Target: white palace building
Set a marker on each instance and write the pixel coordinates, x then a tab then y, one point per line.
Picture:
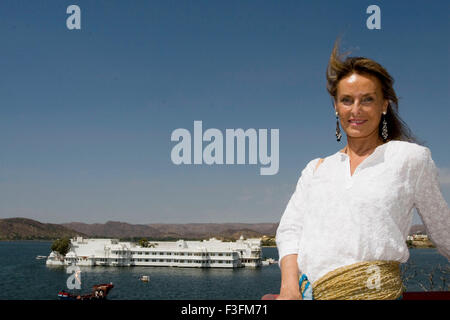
210	253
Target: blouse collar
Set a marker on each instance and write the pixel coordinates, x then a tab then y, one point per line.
376	154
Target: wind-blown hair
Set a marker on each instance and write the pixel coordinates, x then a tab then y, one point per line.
339	68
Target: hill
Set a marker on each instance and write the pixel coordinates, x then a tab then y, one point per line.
417	229
28	229
229	231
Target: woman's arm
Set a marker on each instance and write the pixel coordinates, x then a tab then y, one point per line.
289	229
431	205
289	279
288	235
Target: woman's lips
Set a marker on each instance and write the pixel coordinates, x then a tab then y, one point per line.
357	122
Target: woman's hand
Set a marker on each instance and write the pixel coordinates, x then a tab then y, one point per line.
289	279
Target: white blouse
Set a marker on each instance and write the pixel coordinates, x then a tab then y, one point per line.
335	219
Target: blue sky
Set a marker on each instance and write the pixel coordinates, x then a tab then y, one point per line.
87	115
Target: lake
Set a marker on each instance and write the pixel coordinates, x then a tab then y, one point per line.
24	277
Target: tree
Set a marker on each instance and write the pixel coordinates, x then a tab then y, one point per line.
143	243
61	245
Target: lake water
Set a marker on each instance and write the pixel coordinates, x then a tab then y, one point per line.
24	277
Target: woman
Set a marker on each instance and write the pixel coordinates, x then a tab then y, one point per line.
344	229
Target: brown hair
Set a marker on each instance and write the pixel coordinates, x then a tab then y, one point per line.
338	69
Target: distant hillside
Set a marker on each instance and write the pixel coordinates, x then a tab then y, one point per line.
114	229
27	229
417	229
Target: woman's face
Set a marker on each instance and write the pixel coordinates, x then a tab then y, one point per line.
360	104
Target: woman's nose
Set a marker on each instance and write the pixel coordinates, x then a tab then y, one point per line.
356	107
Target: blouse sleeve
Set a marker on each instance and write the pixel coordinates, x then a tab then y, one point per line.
290	227
431	205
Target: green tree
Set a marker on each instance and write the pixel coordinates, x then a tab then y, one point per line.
268	242
61	245
143	243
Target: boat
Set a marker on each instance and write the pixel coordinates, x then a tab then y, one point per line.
41	257
99	292
268	261
144	278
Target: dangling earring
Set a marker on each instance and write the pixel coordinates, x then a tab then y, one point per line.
338	129
384	129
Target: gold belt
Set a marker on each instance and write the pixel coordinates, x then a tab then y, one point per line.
368	280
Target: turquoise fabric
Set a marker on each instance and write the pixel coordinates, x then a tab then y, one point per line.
307	293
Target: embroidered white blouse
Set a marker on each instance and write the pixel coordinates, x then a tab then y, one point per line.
335	219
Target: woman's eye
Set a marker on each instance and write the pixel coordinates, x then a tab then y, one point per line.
368	100
346	101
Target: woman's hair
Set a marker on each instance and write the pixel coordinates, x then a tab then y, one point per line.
338	69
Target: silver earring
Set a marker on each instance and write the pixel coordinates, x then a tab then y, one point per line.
384	129
338	129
